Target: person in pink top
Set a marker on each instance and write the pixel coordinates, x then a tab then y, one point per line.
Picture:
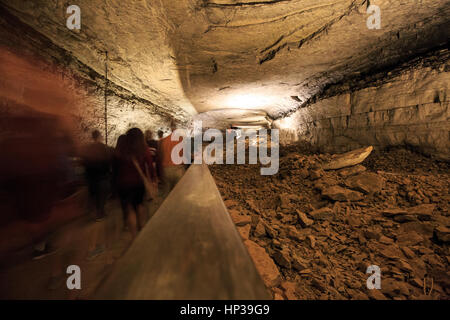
130	186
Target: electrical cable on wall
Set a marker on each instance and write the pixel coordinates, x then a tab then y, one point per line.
106	97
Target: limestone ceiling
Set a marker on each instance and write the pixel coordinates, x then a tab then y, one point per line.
133	32
270	55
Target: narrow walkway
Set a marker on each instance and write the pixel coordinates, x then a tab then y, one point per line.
24	278
191	250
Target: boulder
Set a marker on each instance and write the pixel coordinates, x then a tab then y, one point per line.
239	219
348	159
264	264
290	289
294	234
304	173
376	294
324	213
260	230
405	218
398	215
423	211
350	171
271	231
391	252
408	252
409	238
299	263
303	219
366	182
285	200
338	193
315	174
244	231
305	272
372	234
277	296
423	228
394	288
442	234
392	212
230	203
385	240
325	182
253	206
404	266
311	240
282	258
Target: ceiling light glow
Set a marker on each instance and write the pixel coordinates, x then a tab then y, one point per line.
250	101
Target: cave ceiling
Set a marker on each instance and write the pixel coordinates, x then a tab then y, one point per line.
265	55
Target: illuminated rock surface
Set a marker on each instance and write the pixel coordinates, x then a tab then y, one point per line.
343	85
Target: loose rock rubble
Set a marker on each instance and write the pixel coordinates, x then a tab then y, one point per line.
312	233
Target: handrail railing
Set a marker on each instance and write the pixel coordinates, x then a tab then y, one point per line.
190	249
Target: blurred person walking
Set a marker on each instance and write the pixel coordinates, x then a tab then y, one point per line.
133	160
171	172
151	142
97	160
32	174
119	152
154	148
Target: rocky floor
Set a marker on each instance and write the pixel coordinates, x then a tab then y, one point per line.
312	233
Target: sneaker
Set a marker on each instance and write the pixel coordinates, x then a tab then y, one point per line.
95	253
40	254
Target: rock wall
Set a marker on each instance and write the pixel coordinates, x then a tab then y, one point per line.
407	106
38	74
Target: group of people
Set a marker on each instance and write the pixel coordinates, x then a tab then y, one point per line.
134	170
41	173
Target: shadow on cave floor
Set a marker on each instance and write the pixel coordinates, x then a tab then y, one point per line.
24	278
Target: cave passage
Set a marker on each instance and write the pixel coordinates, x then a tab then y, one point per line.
225	150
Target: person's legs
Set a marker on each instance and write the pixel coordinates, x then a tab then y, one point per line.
98	238
96	247
101	196
124	213
92	190
132	220
128	201
138	204
34	205
72	252
123	206
175	174
141	216
179	172
165	182
171	177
